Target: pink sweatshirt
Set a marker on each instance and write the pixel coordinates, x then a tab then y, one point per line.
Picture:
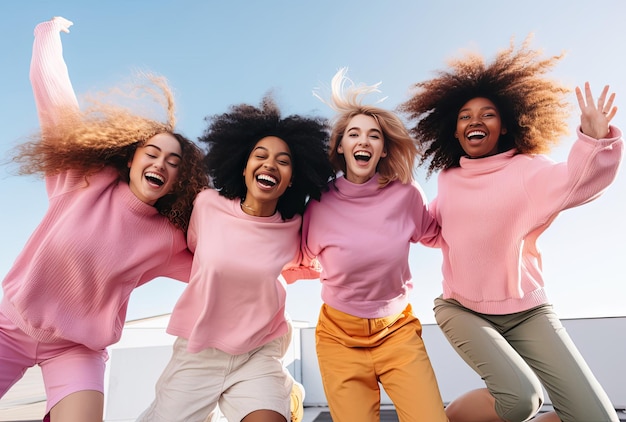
234	301
95	244
493	209
361	235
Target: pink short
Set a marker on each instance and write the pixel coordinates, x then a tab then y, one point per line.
66	367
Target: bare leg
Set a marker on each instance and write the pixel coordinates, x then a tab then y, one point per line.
547	417
474	406
264	416
82	406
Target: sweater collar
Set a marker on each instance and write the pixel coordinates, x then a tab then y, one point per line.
493	162
135	204
357	190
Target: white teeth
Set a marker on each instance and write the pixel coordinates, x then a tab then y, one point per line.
267	178
362	154
479	133
155	176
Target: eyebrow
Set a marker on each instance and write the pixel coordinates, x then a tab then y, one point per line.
359	128
481	109
266	150
154	146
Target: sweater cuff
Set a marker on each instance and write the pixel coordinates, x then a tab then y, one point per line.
292	275
614	135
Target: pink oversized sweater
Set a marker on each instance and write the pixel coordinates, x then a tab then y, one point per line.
95	244
493	209
234	301
361	235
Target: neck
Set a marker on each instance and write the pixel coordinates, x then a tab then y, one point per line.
258	209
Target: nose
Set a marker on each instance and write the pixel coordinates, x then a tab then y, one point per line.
475	120
363	140
160	163
269	165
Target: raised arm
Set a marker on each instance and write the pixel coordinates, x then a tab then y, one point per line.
49	77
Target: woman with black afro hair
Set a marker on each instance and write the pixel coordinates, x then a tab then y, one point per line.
230	321
485	127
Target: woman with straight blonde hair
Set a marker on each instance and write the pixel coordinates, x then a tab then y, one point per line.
358	236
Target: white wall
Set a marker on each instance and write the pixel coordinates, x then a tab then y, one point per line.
134	368
601	341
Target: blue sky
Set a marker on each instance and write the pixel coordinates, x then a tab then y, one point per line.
218	53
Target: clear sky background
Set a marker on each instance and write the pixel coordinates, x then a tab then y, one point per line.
218	53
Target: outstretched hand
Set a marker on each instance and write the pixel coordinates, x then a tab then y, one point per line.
594	120
64	24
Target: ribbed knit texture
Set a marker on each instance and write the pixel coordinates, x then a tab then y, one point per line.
361	236
95	244
493	209
234	301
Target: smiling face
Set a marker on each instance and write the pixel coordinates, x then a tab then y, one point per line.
267	175
362	146
478	128
154	168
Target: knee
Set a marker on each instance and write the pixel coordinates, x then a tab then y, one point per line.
519	406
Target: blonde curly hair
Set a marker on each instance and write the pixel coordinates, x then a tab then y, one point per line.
106	135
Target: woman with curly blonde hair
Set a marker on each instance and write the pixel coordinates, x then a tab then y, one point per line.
485	127
120	190
360	233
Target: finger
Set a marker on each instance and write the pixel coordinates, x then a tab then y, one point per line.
580	98
602	97
609	103
611	114
588	95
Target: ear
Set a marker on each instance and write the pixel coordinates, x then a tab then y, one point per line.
456	135
384	153
503	131
340	149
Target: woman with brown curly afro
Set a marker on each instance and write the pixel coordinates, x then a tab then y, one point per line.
230	321
120	190
486	127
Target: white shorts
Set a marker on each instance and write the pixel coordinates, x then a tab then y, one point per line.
193	384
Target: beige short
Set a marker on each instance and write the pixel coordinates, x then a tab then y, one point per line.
193	384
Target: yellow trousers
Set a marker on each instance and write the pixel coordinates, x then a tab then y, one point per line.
355	354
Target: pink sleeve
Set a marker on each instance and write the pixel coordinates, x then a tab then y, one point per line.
304	266
426	225
176	264
591	167
49	76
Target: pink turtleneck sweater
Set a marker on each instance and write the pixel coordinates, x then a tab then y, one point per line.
361	235
96	242
493	209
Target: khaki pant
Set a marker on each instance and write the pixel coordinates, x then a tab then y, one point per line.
193	384
355	354
515	354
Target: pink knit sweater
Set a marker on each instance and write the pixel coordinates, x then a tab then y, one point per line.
493	209
95	244
234	301
361	236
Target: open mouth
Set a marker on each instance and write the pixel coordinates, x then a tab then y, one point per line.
476	135
362	156
155	179
266	180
